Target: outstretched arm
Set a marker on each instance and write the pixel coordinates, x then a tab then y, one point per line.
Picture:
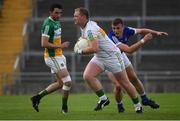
145	31
135	46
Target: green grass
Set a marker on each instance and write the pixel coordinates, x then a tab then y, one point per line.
81	108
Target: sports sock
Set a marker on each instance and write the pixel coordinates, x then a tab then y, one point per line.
144	97
101	95
119	103
120	106
43	93
64	102
135	100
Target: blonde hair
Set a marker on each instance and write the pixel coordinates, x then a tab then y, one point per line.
83	11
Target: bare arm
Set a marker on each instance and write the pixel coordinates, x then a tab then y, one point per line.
146	31
136	46
47	44
92	48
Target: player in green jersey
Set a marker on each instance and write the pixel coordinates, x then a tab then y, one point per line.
54	58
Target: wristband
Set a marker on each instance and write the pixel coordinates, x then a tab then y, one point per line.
142	41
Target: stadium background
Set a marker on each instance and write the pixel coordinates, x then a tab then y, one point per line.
22	68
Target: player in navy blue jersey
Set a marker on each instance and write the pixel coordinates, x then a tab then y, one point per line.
120	36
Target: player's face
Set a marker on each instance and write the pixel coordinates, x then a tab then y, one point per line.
118	29
56	14
78	18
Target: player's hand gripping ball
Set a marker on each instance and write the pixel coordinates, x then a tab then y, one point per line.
80	45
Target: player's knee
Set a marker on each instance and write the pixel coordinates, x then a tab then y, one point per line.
87	77
67	86
67	83
117	88
66	79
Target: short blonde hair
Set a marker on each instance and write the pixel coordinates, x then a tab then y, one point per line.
83	11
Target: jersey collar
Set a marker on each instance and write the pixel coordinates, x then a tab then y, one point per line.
51	19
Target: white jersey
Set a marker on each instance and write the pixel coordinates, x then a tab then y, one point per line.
106	46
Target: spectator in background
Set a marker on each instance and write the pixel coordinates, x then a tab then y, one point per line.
120	36
54	58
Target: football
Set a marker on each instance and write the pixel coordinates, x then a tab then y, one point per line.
81	44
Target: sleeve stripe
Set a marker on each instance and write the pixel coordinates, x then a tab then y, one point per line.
45	35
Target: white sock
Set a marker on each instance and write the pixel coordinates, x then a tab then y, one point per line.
137	105
143	94
104	97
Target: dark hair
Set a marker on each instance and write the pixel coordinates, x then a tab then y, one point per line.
117	21
53	6
83	11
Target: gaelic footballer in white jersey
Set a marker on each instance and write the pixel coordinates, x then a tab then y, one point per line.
107	50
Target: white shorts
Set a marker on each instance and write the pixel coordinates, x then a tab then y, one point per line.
113	64
56	63
125	59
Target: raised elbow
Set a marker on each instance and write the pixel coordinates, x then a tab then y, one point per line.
129	51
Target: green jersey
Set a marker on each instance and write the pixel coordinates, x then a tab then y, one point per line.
52	30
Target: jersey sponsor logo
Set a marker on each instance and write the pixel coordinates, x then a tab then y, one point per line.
90	35
57	33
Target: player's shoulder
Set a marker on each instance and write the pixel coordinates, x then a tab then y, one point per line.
92	25
48	21
110	33
128	28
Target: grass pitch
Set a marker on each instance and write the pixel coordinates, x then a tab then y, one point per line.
81	108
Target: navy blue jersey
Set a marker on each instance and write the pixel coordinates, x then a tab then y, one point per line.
127	32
